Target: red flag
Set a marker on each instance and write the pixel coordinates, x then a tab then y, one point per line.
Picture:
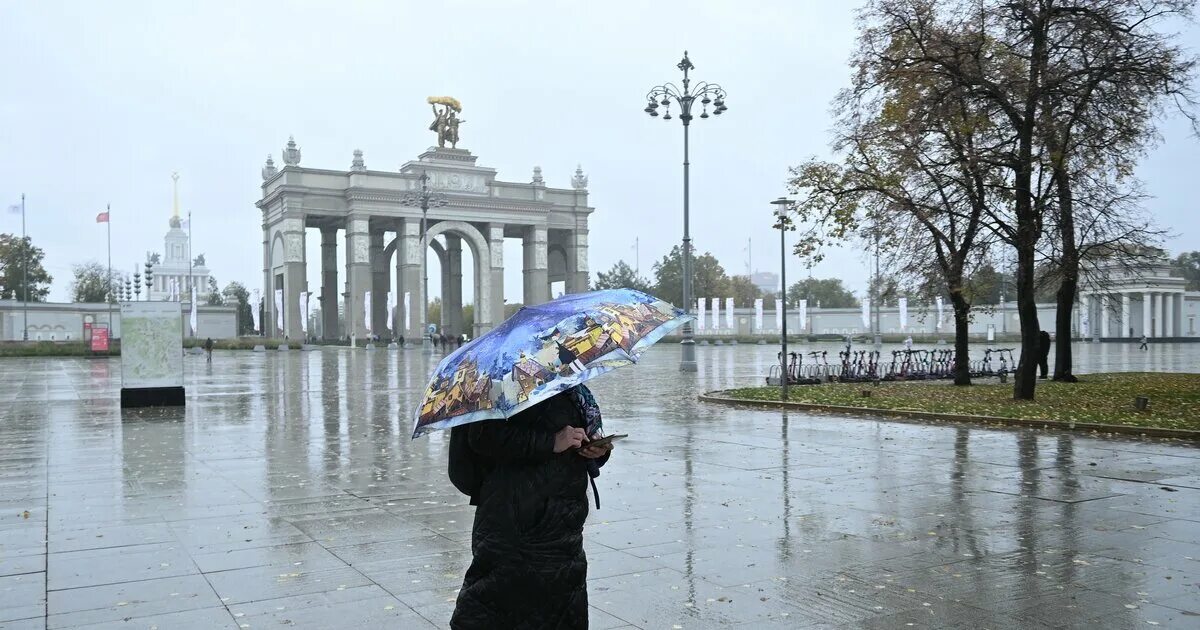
102	217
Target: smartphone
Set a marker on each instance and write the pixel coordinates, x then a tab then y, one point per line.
608	439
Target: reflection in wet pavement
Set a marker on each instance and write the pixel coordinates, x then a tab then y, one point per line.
289	493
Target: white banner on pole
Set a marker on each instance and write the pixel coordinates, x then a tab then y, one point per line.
716	314
391	308
729	314
407	310
278	310
367	310
903	313
866	313
256	304
778	314
304	312
803	314
700	313
195	331
758	314
940	307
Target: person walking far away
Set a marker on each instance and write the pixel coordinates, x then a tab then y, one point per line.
1145	343
1044	352
528	478
208	348
908	343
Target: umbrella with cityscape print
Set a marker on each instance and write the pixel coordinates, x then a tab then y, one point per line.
541	351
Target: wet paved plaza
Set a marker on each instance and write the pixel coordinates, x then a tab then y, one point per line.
288	494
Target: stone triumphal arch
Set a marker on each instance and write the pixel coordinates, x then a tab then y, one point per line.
382	231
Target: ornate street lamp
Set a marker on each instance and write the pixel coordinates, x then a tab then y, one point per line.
137	283
685	99
784	223
425	200
149	278
128	296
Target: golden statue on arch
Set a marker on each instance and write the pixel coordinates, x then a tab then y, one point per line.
445	120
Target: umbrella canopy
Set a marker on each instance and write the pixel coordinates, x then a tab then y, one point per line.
541	351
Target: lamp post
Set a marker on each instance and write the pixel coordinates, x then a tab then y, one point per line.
784	223
685	99
425	200
878	293
24	274
149	278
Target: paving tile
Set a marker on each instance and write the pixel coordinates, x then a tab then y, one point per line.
22	597
97	567
115	602
260	583
207	618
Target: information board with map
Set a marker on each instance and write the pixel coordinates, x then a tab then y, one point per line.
151	345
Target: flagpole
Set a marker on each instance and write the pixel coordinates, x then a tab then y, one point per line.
25	272
108	226
191	281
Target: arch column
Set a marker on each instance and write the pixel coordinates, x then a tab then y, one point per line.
1158	314
409	263
379	286
1168	315
1147	329
329	275
495	233
295	280
358	273
577	262
536	269
267	324
1105	305
1126	323
1085	316
452	293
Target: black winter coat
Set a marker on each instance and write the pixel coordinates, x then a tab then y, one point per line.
529	570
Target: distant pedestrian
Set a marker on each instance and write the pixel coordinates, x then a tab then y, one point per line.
908	343
208	348
1145	343
1044	352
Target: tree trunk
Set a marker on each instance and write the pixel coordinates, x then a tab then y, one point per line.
1026	376
962	321
1070	277
1062	329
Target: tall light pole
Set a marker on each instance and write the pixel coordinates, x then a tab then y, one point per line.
878	293
425	200
24	272
685	98
784	223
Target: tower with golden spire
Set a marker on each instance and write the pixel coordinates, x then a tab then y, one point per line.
173	268
175	222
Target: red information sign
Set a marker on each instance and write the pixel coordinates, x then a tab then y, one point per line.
99	340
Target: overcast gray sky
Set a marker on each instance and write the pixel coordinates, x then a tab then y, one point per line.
102	101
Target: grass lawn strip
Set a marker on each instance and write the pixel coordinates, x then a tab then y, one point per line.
1096	398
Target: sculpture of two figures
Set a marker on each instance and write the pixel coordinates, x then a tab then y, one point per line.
445	120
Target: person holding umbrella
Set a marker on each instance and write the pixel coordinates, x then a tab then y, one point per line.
526	439
528	568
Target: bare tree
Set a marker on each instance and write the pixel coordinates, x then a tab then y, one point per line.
1045	71
914	179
